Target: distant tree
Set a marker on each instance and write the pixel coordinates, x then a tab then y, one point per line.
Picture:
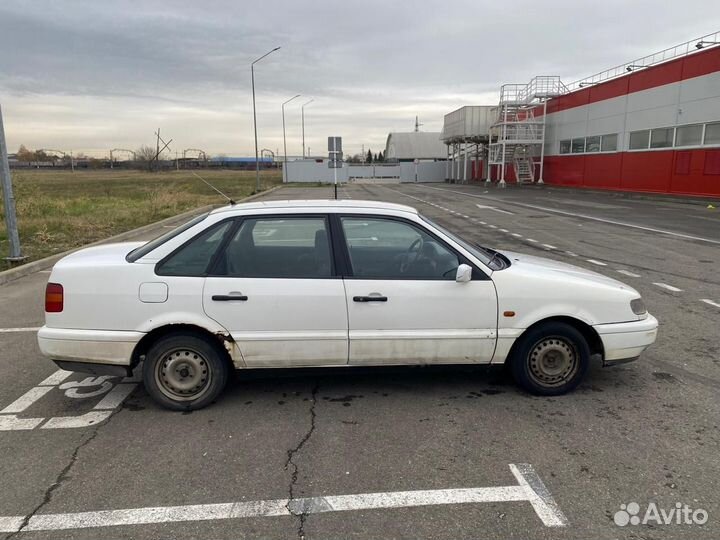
145	155
23	154
369	157
381	157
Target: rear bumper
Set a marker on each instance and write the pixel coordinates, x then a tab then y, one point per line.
105	347
624	342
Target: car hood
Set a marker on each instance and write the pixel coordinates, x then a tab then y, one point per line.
99	255
549	267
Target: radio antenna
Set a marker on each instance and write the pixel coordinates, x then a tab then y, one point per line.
213	187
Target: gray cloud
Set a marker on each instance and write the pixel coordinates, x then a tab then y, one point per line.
92	75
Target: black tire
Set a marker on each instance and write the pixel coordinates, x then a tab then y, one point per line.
550	359
185	372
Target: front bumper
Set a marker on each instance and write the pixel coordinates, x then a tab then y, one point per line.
105	347
624	342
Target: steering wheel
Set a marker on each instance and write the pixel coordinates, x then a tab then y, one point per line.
412	254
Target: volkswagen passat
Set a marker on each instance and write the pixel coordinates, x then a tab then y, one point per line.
329	283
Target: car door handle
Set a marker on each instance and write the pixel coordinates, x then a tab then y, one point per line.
369	298
229	297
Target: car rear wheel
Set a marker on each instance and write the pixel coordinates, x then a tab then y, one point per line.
550	359
185	372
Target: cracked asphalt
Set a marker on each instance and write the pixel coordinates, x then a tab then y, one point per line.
645	432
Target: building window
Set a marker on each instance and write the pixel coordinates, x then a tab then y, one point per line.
578	146
609	143
688	135
640	140
661	138
712	133
592	144
565	147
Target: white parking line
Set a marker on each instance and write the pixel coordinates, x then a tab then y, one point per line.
593	261
571	253
529	488
668	287
548	246
628	273
707	301
483	207
25	329
516	235
531	240
504	230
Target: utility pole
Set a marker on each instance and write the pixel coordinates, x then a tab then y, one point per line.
252	79
157	152
9	200
303	124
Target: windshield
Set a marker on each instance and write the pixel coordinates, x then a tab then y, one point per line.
143	250
489	257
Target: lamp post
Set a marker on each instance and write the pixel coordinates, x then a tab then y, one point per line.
284	139
303	124
252	78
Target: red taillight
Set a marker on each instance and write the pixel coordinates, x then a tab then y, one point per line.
53	298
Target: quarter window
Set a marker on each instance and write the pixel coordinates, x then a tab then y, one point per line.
388	249
640	140
193	258
688	135
288	247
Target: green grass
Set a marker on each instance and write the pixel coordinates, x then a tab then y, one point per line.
62	210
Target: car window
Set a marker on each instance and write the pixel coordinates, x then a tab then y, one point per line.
143	250
391	249
193	258
279	248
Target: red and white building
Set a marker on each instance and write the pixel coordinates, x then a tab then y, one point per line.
650	125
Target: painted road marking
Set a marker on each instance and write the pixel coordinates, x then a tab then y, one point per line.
668	287
584	216
593	261
530	488
483	207
504	230
516	235
21	329
89	387
531	240
708	301
492	226
571	253
628	273
548	246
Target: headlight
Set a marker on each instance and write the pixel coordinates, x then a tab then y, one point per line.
638	306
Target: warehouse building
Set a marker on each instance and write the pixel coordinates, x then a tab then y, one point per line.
652	125
420	145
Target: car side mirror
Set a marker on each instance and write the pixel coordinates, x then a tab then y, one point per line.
464	273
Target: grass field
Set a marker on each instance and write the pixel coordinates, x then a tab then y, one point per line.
61	210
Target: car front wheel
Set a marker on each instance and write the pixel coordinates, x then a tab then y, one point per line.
185	372
550	359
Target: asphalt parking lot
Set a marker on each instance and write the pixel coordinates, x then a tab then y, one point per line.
452	452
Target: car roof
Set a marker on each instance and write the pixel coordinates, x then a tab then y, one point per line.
327	205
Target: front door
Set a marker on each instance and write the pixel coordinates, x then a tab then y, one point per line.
275	289
404	305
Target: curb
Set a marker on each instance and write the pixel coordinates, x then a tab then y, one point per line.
42	264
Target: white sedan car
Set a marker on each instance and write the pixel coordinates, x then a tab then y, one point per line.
329	283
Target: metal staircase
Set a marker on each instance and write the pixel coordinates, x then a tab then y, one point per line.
516	136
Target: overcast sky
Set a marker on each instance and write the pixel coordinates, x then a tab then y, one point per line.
93	75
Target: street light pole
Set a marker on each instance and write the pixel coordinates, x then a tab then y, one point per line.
9	201
252	78
303	124
284	139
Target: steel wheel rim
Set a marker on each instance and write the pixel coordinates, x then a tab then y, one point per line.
183	374
553	361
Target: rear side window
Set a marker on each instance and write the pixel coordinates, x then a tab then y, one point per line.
194	257
287	247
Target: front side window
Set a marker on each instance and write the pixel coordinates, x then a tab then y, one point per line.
565	147
661	138
578	146
388	249
287	247
640	140
193	258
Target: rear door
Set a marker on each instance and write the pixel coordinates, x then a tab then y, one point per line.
404	305
275	288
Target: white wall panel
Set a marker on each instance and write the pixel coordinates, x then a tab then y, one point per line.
700	87
700	111
661	96
652	118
